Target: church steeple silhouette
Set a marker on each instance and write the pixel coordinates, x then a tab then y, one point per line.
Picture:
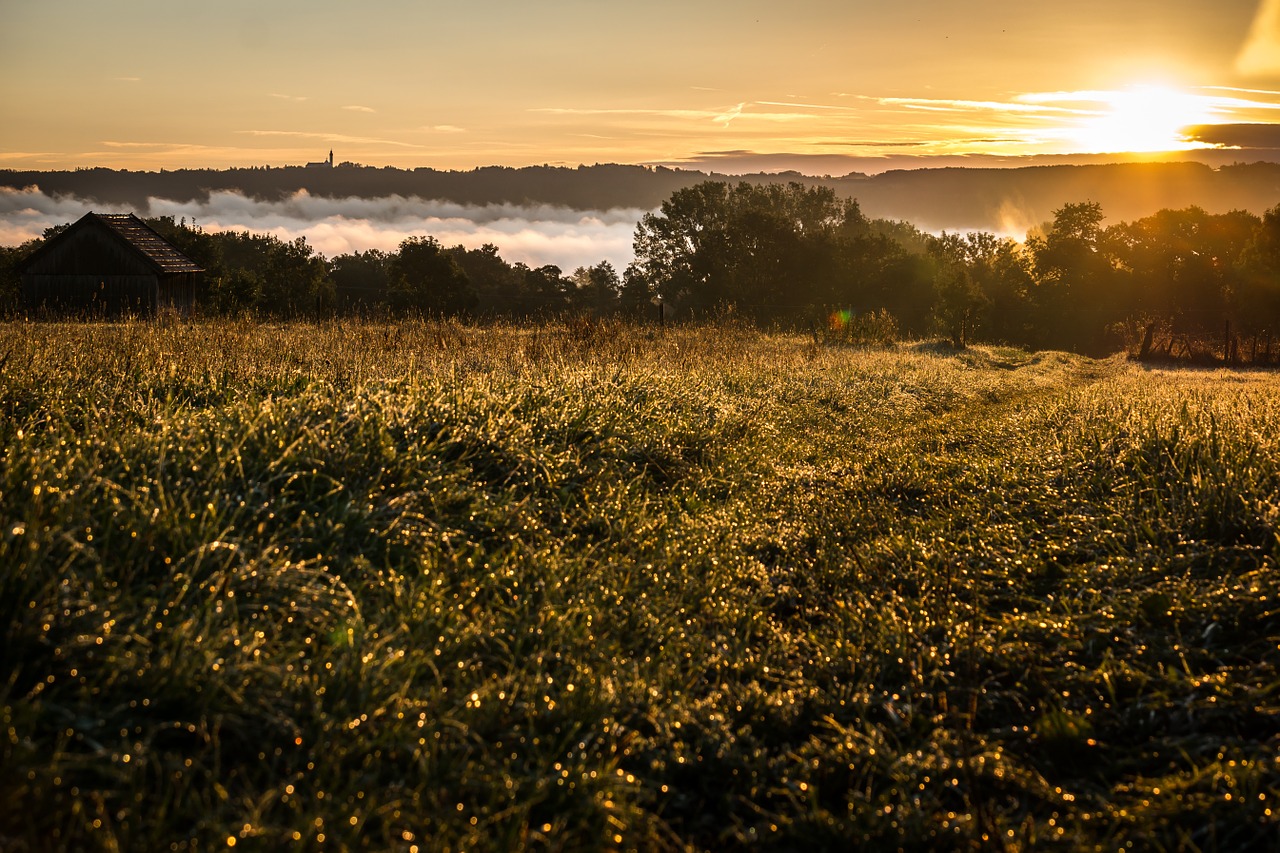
330	158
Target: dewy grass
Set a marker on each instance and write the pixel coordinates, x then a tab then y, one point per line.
587	586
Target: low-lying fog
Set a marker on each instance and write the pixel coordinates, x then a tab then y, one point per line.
535	235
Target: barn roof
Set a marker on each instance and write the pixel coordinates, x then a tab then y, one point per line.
157	251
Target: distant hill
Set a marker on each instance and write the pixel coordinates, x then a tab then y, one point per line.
1013	200
1001	200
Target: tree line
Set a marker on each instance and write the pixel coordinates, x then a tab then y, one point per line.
263	275
796	255
792	254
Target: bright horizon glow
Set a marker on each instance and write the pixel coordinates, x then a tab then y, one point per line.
1143	119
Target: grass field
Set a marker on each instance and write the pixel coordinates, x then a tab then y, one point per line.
589	586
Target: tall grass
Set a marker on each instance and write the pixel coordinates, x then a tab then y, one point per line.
590	586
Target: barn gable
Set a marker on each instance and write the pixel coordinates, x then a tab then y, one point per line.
109	264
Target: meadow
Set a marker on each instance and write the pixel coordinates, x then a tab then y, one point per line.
579	586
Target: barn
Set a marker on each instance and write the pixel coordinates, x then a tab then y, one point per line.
109	265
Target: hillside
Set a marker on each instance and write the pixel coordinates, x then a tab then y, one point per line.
1003	200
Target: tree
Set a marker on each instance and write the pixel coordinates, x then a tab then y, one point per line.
681	249
255	272
1179	265
1259	265
495	282
235	290
965	264
425	278
775	251
10	281
597	288
1008	285
992	293
361	280
546	290
295	281
636	299
1073	277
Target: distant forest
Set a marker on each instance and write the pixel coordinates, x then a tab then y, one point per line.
932	199
799	256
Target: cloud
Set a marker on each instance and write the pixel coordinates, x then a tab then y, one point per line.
295	98
356	108
330	137
804	106
729	115
879	144
724	115
1245	91
614	111
116	149
1027	103
1260	54
1237	136
116	144
27	155
533	234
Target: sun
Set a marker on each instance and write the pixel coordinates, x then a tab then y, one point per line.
1141	119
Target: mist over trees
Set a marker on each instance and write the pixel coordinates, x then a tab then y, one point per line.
797	256
1003	200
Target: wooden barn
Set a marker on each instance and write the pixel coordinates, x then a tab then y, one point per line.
109	265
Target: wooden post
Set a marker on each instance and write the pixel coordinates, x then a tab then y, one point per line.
1145	352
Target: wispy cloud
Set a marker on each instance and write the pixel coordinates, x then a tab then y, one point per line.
1026	104
614	111
444	128
729	114
127	79
194	152
27	155
745	110
807	106
1107	98
1243	91
295	98
356	108
329	137
111	143
878	144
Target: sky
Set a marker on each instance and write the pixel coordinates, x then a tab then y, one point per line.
819	86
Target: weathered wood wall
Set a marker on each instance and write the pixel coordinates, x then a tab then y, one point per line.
93	273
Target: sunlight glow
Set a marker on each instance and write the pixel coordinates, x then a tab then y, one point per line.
1142	119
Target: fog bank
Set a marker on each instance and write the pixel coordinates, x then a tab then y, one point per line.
533	234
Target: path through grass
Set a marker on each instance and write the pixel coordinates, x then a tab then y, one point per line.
363	586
